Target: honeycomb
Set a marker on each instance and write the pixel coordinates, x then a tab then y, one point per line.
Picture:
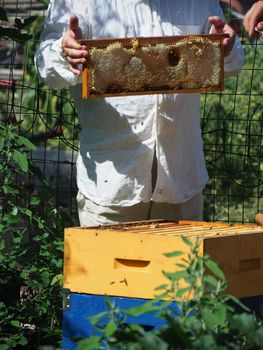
153	65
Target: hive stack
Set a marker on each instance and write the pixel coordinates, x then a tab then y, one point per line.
127	261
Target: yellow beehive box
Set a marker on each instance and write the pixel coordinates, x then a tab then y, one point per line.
128	260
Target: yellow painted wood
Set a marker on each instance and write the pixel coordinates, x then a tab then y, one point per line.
128	260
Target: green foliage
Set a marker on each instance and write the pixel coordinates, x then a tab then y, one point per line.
232	133
31	225
206	317
31	250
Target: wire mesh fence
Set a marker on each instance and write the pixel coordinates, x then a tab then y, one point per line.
231	124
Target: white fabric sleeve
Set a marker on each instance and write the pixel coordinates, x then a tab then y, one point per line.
233	63
52	67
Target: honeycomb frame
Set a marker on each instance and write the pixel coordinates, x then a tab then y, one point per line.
153	65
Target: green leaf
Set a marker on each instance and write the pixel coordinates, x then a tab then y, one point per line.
211	281
161	287
214	268
259	337
2	143
14	210
187	241
13	219
136	328
209	318
221	313
182	266
176	276
173	254
98	317
206	342
21	159
152	342
45	277
24	141
17	238
34	201
238	302
244	323
24	273
2	243
45	2
110	328
10	190
3	15
56	279
15	323
28	213
180	292
142	309
22	341
89	344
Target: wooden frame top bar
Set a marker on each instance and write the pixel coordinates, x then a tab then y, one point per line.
127	42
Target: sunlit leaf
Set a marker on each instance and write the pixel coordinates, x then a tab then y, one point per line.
89	343
187	241
21	159
110	328
214	268
176	276
142	309
24	141
173	254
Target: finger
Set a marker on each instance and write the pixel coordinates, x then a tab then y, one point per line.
75	69
260	26
75	53
247	20
70	42
75	61
74	27
217	22
73	23
71	45
251	28
253	17
228	45
253	32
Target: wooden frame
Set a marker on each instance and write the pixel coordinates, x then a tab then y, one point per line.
163	60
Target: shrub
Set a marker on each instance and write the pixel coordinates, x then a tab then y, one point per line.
208	318
31	250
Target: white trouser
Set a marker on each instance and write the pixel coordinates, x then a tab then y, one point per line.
91	214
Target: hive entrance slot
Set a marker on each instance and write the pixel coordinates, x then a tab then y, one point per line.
131	264
249	264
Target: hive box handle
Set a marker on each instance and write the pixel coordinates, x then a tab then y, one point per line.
249	264
131	264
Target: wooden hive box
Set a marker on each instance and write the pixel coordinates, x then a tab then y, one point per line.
149	65
128	260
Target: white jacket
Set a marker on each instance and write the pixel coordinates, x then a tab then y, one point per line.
120	134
